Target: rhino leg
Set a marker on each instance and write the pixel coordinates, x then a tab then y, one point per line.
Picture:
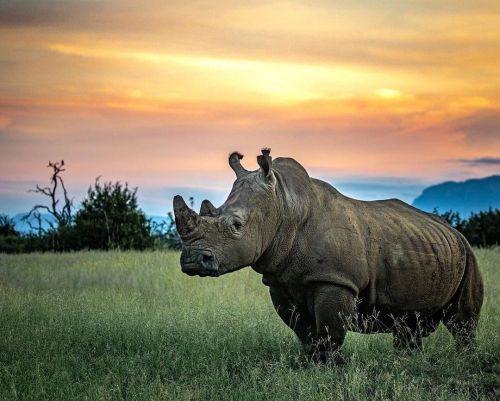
334	309
462	315
298	319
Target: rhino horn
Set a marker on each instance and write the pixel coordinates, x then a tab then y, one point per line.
186	219
234	162
207	209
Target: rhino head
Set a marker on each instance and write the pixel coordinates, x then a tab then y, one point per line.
221	240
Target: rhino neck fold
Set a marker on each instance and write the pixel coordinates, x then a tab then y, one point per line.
295	205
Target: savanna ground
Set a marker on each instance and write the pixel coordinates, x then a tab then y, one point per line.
131	326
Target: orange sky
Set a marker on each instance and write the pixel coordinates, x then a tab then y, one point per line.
379	99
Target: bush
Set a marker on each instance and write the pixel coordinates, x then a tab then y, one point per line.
7	227
110	218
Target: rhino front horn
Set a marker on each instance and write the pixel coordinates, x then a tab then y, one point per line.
186	219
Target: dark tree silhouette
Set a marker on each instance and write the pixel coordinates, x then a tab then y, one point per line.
10	239
7	226
110	218
481	229
56	193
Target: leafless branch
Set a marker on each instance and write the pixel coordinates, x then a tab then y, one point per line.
36	215
61	215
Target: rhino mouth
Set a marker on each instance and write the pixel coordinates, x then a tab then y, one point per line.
199	262
195	270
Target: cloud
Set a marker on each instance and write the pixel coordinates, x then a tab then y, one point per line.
480	161
483	126
336	33
190	146
44	13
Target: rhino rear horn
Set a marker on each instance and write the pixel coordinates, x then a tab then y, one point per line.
207	209
186	219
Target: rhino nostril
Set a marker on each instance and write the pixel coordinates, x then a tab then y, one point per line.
207	258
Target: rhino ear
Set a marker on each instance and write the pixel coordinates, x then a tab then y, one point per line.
265	162
234	162
207	209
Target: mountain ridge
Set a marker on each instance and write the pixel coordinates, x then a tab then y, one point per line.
465	197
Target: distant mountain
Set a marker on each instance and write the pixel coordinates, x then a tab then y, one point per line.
464	197
23	226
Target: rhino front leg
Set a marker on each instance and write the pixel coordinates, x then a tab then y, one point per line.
334	308
298	319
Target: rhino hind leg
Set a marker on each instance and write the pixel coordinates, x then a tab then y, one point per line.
462	314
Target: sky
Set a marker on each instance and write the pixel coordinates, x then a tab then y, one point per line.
380	99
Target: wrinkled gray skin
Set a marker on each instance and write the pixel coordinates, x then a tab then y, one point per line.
333	263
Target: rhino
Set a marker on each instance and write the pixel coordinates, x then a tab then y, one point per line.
332	263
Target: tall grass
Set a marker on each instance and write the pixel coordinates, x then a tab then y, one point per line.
131	326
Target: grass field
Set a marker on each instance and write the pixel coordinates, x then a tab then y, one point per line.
131	326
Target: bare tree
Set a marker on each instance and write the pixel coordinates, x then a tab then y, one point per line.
61	214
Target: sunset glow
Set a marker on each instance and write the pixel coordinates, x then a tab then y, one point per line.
392	94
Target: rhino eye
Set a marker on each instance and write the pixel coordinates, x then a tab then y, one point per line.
237	224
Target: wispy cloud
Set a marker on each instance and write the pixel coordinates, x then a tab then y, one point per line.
256	80
481	127
47	13
480	161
